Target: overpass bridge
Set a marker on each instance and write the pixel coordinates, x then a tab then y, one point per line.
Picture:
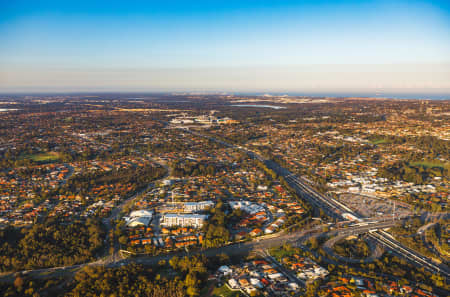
337	210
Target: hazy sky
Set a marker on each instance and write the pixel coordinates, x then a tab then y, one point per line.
283	46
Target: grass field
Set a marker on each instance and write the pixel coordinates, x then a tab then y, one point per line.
379	141
44	157
279	253
429	164
225	292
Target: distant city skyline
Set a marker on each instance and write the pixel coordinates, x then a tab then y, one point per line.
230	46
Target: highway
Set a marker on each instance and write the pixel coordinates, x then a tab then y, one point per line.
422	231
239	248
387	241
336	210
332	209
328	204
382	237
376	251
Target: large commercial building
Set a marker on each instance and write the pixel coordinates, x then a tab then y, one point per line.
247	206
183	220
139	218
198	206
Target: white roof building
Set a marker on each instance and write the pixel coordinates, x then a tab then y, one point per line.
183	220
197	206
140	213
233	283
225	270
139	218
246	206
256	282
275	275
139	221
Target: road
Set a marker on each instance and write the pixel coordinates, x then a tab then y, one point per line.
428	244
376	251
416	258
328	204
331	206
336	210
115	256
422	232
258	243
231	249
289	273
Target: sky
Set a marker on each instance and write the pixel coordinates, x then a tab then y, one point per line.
232	46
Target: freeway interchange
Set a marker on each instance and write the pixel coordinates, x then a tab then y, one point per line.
332	207
337	210
237	248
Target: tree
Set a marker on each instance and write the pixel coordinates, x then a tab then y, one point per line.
191	280
314	244
18	283
193	291
123	240
174	262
